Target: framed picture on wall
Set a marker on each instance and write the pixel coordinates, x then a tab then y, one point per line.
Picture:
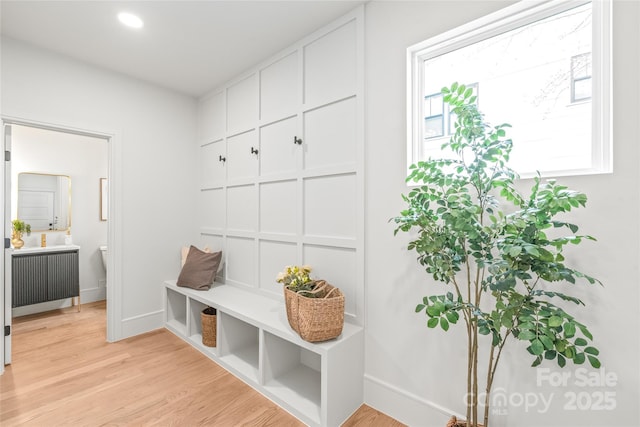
104	205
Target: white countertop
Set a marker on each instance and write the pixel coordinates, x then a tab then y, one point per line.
53	248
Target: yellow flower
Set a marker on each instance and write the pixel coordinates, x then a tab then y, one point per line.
294	277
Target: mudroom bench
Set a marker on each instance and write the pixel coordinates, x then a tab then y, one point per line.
319	383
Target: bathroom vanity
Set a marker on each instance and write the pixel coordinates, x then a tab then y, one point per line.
44	274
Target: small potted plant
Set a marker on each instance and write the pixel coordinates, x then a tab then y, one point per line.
19	228
297	279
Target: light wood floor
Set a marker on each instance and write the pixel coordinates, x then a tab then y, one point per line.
65	373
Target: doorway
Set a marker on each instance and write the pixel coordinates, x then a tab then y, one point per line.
89	197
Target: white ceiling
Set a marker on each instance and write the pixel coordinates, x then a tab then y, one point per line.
188	46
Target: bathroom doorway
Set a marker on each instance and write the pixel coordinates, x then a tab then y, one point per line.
86	157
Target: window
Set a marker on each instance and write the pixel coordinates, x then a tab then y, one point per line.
434	119
581	77
544	68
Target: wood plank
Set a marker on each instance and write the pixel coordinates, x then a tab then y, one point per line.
65	373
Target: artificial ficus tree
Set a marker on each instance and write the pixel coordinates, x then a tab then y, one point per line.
499	253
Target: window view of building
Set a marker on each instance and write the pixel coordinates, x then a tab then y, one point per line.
434	117
581	77
536	76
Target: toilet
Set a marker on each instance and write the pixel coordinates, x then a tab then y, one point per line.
103	252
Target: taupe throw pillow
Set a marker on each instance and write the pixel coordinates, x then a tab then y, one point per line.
199	269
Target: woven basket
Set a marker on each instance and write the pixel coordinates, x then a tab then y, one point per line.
291	303
320	318
209	326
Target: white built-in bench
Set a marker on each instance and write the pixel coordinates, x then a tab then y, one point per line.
319	383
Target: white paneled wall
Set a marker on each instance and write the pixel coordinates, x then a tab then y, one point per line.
281	159
331	135
278	153
242	105
330	66
279	89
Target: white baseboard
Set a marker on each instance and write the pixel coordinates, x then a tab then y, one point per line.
143	323
404	406
92	295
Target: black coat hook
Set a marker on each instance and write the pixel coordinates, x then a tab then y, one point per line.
222	159
297	140
254	150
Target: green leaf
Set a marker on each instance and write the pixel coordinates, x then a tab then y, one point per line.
569	329
433	322
452	316
592	350
420	307
527	324
569	352
579	358
495	339
548	343
532	250
526	335
432	311
507	321
555	321
561	346
537	361
585	331
561	360
515	251
537	348
580	342
594	361
444	324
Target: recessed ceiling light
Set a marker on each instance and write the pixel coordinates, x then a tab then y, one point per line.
130	20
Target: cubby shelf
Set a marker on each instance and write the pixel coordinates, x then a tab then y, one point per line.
319	383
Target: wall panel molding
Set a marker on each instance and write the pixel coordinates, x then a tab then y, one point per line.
290	163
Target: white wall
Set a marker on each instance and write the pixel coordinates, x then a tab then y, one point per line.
84	160
417	375
153	131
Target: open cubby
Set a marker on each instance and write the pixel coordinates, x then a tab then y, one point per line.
176	306
239	345
319	383
195	325
292	373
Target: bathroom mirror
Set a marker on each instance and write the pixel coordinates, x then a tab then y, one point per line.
44	201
